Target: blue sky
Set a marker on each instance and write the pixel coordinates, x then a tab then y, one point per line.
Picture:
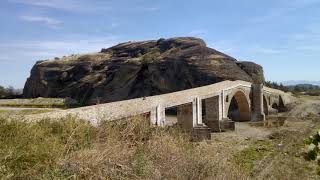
281	35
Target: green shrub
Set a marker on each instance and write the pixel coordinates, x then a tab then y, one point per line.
312	149
150	56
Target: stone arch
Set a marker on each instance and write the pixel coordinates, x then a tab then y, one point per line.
278	104
275	106
239	107
265	105
281	106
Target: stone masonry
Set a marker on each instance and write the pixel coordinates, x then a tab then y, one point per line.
216	98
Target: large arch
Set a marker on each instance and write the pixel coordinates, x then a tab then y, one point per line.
239	107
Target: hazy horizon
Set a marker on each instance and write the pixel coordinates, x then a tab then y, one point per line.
281	35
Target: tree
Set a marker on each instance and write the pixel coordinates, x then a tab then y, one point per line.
3	92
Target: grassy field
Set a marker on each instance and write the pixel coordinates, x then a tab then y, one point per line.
23	112
38	103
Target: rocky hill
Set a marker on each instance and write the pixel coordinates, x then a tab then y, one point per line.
136	69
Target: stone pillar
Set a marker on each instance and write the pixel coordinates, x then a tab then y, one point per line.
158	116
185	116
213	113
190	119
153	117
226	124
257	103
190	115
197	112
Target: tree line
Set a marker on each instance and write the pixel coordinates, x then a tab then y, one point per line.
307	89
9	92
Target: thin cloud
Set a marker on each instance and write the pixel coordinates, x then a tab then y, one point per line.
224	46
50	22
114	25
34	50
263	50
283	10
307	40
66	5
4	59
240	50
152	9
302	3
57	4
198	32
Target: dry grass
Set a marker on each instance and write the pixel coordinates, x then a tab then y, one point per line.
73	149
22	112
131	149
36	103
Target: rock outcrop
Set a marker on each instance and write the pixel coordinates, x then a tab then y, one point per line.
136	69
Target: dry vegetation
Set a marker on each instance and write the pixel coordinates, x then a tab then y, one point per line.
119	150
39	103
73	149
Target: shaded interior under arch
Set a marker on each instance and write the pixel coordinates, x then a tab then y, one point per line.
239	109
265	105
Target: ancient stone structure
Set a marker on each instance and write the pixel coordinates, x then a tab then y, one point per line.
202	110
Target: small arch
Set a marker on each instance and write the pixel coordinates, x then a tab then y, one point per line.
239	108
275	106
282	107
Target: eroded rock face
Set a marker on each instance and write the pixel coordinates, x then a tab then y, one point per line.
136	69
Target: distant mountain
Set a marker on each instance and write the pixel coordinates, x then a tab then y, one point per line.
304	86
301	82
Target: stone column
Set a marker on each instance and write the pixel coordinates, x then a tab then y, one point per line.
185	116
199	130
257	103
190	119
197	112
213	113
153	117
190	115
158	116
